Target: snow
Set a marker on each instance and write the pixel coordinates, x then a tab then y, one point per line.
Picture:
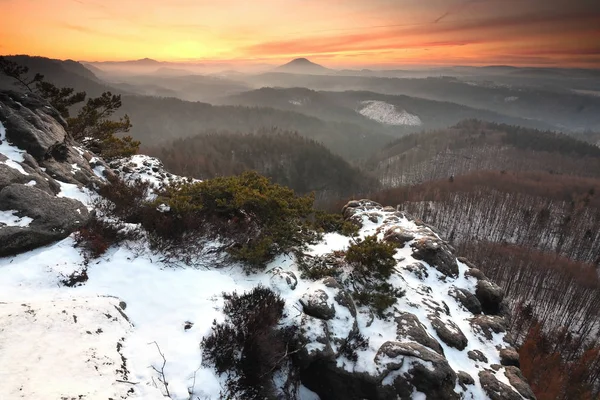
13	155
9	218
75	192
387	114
84	333
510	99
160	300
31	183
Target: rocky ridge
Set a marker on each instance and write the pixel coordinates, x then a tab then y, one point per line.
445	338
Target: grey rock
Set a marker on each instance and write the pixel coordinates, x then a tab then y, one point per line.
467	299
450	333
490	296
509	357
518	381
437	254
409	327
314	340
31	124
418	269
398	235
436	379
488	324
495	389
464	379
318	305
477	355
283	280
54	218
476	273
465	261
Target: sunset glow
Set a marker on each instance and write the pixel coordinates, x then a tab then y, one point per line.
333	32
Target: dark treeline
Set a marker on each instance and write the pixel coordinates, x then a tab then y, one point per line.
555	304
286	157
474	145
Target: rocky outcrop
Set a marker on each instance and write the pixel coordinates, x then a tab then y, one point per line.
437	254
449	308
38	159
53	218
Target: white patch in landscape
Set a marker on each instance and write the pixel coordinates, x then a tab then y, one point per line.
75	192
510	99
9	218
387	114
31	183
13	154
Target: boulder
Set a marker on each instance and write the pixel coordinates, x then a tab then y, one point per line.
409	327
31	124
314	340
495	389
282	280
518	381
477	355
317	304
450	333
54	218
418	269
476	273
398	235
488	324
437	254
427	371
490	296
509	357
464	379
467	299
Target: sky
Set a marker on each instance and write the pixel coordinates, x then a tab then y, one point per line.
336	33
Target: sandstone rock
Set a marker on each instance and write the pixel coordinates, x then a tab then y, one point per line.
409	327
54	218
488	324
476	273
398	235
495	389
318	305
477	355
282	280
437	254
490	296
509	357
518	381
450	333
30	123
314	337
464	379
434	378
467	299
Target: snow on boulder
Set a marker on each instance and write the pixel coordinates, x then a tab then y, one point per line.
64	349
387	114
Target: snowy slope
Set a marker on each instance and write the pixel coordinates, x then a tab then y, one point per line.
387	114
174	308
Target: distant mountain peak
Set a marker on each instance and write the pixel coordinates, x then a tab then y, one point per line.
302	65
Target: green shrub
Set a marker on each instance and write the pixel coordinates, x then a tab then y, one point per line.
372	263
334	223
320	267
371	258
265	219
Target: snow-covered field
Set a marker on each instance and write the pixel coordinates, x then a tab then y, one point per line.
173	308
387	114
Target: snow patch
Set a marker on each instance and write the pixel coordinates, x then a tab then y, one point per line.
387	114
9	218
13	154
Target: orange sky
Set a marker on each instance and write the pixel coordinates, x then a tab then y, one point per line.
332	32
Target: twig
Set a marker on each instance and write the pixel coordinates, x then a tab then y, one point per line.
161	373
281	359
192	389
131	383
